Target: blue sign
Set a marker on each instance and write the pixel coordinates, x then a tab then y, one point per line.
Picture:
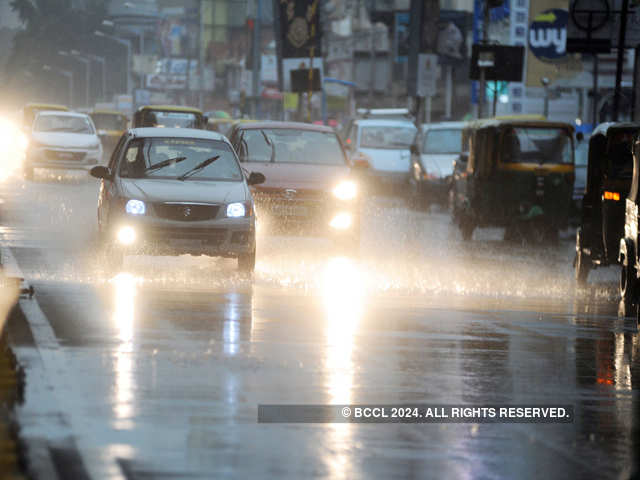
548	34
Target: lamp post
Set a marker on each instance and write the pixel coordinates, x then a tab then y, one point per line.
126	43
66	73
87	71
103	63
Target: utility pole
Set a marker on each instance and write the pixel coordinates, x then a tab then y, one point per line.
200	56
620	59
485	41
257	57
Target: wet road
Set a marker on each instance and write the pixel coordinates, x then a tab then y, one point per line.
157	372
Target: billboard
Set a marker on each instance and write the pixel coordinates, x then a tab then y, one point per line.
299	28
547	55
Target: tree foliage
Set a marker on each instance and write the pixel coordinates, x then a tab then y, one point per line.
53	25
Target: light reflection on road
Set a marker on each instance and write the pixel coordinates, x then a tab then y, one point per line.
125	286
343	295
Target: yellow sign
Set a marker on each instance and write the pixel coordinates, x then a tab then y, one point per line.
290	101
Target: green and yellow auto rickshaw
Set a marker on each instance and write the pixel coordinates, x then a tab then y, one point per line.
517	174
170	116
609	172
110	124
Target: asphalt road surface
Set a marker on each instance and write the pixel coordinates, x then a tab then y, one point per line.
158	371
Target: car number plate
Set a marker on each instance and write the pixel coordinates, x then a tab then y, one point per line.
65	155
290	210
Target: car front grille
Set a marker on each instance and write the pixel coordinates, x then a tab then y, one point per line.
61	155
186	212
212	236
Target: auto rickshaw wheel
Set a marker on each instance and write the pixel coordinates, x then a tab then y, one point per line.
628	283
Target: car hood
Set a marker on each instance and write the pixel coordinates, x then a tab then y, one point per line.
160	190
66	139
439	164
389	159
298	176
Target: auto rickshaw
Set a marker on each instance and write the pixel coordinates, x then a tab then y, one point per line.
30	110
628	256
169	116
609	172
110	124
516	174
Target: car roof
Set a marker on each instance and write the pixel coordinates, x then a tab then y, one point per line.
153	132
443	125
290	125
603	128
170	108
61	113
381	122
103	111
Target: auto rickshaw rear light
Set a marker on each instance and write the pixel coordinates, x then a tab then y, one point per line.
615	196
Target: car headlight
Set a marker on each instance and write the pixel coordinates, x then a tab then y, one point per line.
236	210
126	235
135	207
345	190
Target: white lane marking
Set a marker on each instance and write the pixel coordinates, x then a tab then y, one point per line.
61	382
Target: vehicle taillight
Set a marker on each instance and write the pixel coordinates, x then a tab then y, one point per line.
615	196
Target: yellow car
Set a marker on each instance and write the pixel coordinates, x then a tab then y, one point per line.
110	124
169	116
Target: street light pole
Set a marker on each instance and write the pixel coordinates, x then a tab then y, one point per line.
67	74
87	72
126	43
103	63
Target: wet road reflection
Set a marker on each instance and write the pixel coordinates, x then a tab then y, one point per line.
176	354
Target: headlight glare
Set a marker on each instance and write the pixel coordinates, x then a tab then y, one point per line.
236	210
345	190
126	235
135	207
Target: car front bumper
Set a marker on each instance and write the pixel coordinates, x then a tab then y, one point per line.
62	158
228	237
320	217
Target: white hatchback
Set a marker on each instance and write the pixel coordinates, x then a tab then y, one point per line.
63	140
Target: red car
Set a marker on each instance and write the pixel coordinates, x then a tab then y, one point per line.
309	185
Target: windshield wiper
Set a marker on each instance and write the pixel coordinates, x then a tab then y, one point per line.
165	163
270	143
198	167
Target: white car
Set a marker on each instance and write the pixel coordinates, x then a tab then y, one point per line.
173	191
66	140
382	146
437	147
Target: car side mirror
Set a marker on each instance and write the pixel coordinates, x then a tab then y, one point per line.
101	171
414	149
256	178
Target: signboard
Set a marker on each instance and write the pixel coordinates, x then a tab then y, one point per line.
300	82
299	28
289	64
427	74
547	55
507	63
589	26
401	33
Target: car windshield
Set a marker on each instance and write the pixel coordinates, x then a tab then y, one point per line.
106	121
387	137
175	157
170	119
291	145
443	141
620	155
62	123
537	145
